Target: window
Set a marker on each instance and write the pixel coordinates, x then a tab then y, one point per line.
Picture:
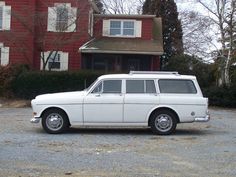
150	86
128	28
62	18
115	28
121	28
177	86
140	86
108	86
54	61
57	60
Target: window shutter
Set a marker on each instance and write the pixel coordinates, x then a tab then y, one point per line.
52	16
138	29
72	19
64	61
90	23
106	28
5	56
6	17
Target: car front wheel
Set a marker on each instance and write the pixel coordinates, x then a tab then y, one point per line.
163	122
55	121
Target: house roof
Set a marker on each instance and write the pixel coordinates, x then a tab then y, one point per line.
123	46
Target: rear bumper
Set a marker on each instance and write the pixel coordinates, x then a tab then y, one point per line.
35	120
202	119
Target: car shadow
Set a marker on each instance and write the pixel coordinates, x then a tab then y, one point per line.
138	131
135	131
110	131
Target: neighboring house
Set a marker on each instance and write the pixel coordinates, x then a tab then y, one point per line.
72	35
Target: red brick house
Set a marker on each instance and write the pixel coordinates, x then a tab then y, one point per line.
72	35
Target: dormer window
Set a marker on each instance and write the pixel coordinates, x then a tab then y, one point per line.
121	28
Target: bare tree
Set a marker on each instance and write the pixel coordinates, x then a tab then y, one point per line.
123	6
223	14
196	38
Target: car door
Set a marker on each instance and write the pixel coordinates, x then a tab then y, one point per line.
104	104
140	98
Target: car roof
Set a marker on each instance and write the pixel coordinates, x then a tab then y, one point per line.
147	76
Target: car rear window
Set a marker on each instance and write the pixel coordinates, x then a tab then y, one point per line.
177	86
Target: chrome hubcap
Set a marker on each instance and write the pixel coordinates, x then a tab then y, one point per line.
54	121
163	122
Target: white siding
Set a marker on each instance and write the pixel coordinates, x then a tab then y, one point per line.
106	28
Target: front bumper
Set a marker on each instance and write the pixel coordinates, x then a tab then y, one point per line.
35	120
202	119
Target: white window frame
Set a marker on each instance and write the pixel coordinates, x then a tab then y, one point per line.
6	16
122	28
64	60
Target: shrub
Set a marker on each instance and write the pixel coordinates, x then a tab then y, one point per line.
221	96
7	74
30	84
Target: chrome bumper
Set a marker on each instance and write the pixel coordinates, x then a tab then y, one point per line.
202	119
35	120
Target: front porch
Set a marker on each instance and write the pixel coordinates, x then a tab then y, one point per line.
121	54
120	62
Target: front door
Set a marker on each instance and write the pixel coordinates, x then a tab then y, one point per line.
104	103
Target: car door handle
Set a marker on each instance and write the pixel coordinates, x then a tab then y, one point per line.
97	95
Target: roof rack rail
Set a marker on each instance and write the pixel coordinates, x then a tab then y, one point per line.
154	72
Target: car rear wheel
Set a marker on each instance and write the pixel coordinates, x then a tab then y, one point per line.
163	122
55	121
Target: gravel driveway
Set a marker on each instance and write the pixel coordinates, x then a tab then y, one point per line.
197	149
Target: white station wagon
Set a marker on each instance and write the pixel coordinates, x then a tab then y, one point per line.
159	100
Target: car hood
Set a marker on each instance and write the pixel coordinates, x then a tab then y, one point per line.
60	98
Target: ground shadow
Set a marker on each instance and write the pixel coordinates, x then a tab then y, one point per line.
135	131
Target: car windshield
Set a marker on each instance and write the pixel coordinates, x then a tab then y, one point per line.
90	85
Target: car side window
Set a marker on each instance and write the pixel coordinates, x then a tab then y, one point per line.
140	86
98	88
108	86
177	86
135	86
111	86
150	86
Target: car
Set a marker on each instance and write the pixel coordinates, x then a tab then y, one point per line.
159	100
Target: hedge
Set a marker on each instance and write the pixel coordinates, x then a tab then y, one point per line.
221	96
30	84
